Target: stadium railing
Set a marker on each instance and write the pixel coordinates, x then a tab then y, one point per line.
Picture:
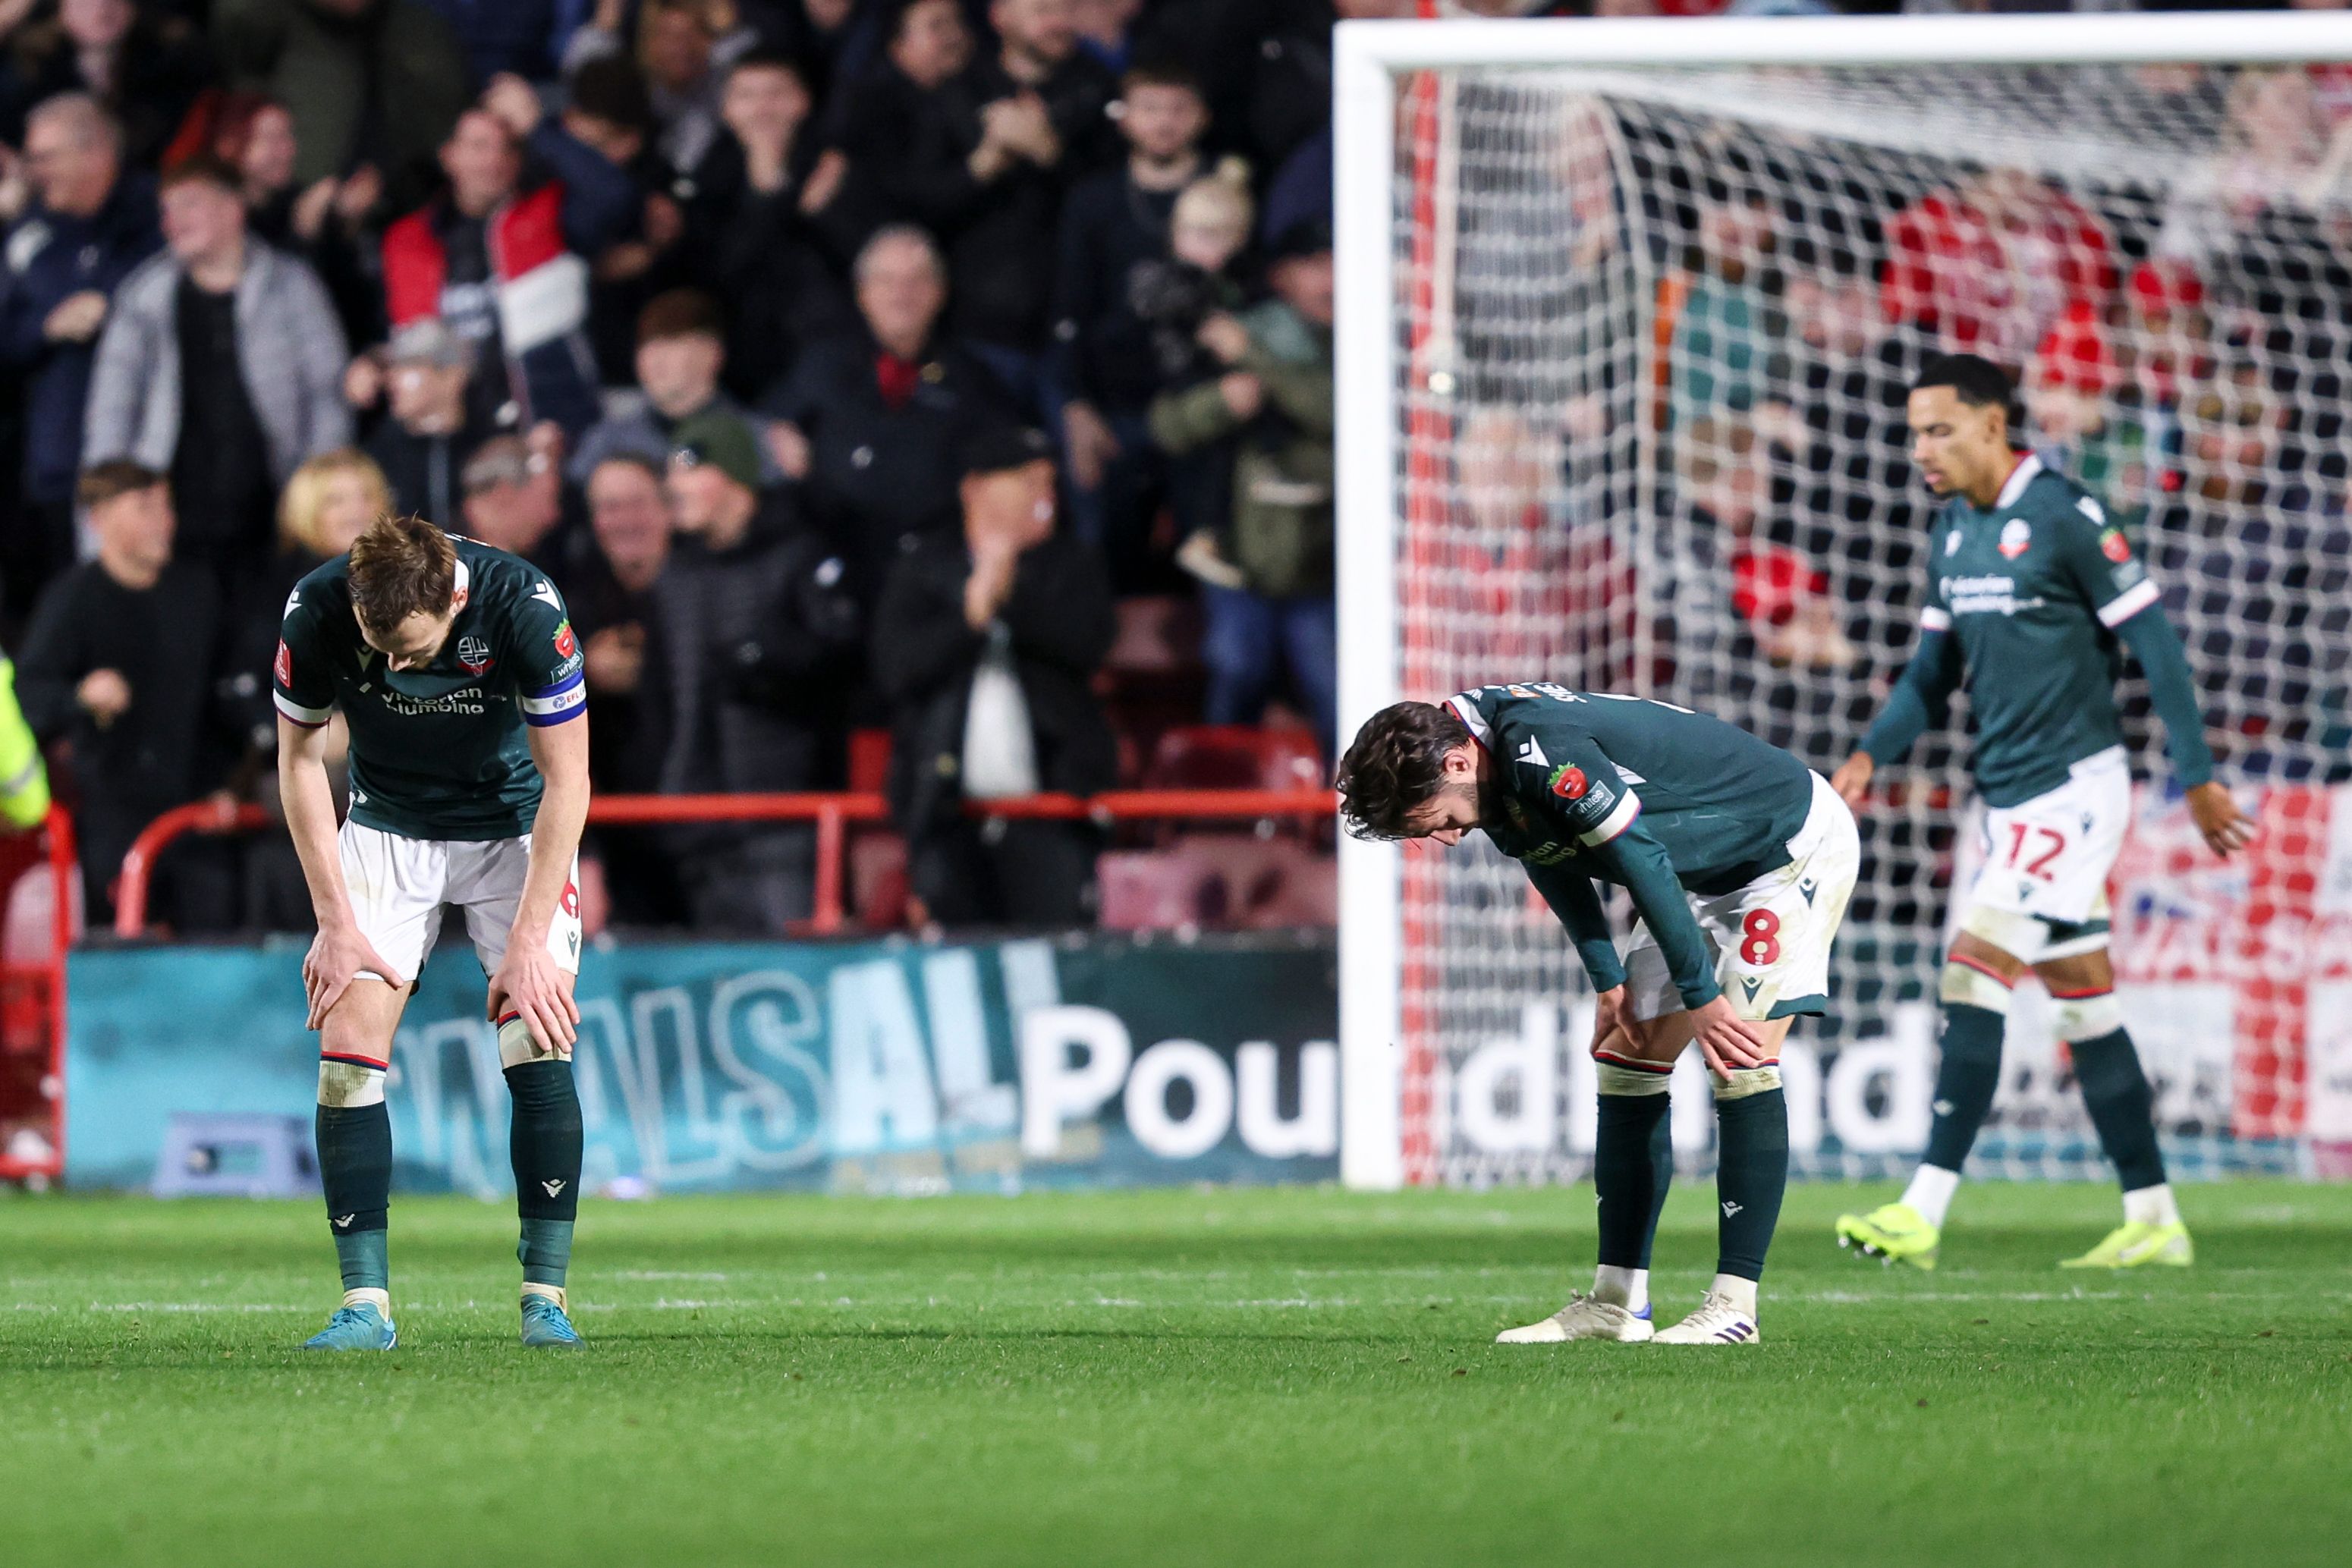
833	815
33	1007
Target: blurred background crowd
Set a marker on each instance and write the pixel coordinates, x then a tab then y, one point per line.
923	396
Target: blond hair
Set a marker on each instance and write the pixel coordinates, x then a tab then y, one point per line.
305	496
1219	199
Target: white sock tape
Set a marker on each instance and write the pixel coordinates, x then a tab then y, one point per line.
1747	1080
1616	1080
347	1085
516	1046
2088	1018
1974	988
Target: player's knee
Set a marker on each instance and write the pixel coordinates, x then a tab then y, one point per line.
516	1045
1970	984
1622	1076
2023	936
348	1085
347	1036
2083	1018
1745	1082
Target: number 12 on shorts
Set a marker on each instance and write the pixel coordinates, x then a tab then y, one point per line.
2039	865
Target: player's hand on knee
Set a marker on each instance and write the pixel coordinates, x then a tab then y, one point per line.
2225	828
530	984
336	958
1608	1017
1729	1041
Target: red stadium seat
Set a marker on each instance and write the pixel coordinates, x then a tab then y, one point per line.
1233	756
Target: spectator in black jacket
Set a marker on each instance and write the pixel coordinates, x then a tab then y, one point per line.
1114	256
614	602
432	426
768	227
1031	120
895	123
984	646
92	223
613	606
122	660
759	638
871	425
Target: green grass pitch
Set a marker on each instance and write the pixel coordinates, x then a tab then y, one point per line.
1175	1377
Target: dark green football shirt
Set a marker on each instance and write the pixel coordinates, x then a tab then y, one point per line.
439	753
1643	794
2031	590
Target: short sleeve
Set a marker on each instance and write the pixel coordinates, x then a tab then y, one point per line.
302	681
2103	565
1572	782
549	676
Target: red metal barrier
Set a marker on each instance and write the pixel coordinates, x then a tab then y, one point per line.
47	981
831	814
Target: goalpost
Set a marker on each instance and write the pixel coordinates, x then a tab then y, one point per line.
1626	310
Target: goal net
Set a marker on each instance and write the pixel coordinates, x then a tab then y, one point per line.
1643	368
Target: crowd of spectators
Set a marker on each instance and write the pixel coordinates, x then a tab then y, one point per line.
845	362
848	363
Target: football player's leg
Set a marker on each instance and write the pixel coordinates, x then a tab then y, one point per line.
1775	935
1633	1155
354	1132
1632	1162
1979	976
544	1140
1752	1114
395	890
2116	1093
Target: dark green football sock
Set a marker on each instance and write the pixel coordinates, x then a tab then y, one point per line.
1752	1174
355	1169
1632	1165
2122	1107
545	1147
1965	1080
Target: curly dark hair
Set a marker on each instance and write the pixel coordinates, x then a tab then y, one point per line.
1395	765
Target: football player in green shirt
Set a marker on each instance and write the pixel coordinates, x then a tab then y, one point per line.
2032	593
460	676
1739	860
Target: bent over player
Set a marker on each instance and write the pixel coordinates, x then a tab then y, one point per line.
460	676
1739	860
2030	588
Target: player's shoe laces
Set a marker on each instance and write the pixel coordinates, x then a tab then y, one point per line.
1719	1321
355	1328
1584	1317
1892	1233
2129	1246
545	1325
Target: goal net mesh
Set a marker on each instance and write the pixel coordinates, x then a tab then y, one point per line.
1655	328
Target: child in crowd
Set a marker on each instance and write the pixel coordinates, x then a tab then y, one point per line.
1206	234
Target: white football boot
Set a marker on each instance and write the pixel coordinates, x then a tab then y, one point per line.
1719	1321
1583	1318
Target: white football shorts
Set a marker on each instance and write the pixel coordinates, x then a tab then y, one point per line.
2041	890
1771	938
399	886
